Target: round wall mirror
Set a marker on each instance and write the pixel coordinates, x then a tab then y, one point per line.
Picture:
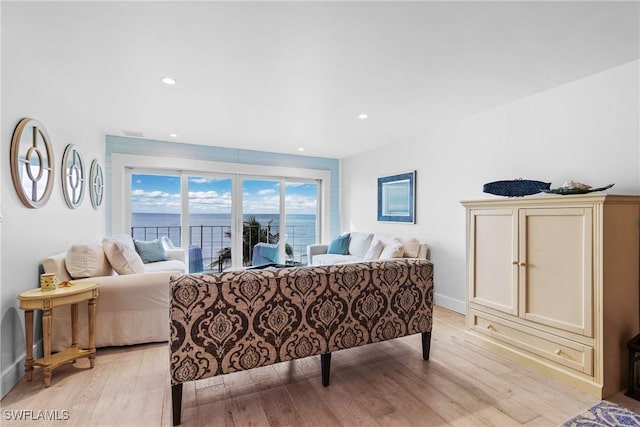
73	176
32	163
96	181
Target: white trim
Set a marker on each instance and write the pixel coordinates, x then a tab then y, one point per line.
236	216
282	242
184	211
126	201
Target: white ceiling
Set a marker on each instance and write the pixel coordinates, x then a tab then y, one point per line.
276	76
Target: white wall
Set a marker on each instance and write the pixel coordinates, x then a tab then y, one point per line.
587	131
29	235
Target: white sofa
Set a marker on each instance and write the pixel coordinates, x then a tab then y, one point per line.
130	309
368	247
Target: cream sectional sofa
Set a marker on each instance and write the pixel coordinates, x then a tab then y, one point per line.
368	247
132	307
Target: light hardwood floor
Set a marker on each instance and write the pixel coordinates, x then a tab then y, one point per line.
384	384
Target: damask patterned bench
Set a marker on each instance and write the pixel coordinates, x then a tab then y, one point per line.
239	320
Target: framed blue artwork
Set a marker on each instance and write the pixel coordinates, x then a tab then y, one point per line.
396	198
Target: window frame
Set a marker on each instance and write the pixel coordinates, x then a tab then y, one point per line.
124	165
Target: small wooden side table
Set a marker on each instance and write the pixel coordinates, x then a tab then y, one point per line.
36	299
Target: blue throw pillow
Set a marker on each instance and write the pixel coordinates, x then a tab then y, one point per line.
339	245
151	251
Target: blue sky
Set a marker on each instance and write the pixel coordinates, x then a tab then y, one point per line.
161	194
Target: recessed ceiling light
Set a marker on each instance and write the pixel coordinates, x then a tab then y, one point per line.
301	149
173	135
363	116
169	80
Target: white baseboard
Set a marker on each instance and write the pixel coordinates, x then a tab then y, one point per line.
15	371
11	375
452	304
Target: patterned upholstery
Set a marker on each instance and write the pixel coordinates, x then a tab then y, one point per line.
238	320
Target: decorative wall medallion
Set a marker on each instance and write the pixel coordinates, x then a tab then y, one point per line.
96	182
73	176
32	163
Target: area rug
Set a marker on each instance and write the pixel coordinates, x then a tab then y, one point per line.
605	414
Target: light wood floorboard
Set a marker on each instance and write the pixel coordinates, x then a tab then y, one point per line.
384	384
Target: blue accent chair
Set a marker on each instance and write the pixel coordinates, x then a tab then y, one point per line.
264	253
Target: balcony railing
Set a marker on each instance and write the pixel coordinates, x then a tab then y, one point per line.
211	240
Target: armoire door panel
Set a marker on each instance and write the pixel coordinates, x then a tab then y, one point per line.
556	267
493	268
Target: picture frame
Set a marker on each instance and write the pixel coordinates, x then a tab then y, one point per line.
396	198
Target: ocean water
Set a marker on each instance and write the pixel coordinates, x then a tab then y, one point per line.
211	231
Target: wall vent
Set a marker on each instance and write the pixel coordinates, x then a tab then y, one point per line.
133	133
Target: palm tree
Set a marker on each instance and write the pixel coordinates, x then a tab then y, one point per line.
252	233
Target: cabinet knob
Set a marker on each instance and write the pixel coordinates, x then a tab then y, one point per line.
490	327
514	262
558	352
522	264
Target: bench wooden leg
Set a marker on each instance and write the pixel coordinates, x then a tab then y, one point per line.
176	402
426	345
325	368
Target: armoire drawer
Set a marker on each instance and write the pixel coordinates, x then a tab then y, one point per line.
556	349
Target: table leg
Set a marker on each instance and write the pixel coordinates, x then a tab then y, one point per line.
28	326
46	341
92	331
74	325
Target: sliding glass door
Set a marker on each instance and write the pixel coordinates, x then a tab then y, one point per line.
227	220
301	217
280	218
155	207
210	222
260	221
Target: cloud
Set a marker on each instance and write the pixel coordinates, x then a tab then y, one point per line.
155	201
209	202
204	180
199	180
266	200
297	204
203	194
261	203
157	194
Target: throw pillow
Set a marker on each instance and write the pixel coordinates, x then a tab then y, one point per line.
411	248
86	261
339	245
151	251
392	250
126	239
122	258
167	243
56	264
359	243
374	251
